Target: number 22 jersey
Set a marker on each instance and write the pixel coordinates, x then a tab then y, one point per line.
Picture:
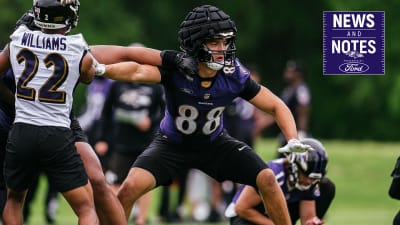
46	68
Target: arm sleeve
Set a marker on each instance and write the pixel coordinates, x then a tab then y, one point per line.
250	90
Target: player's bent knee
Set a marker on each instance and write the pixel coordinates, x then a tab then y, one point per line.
266	178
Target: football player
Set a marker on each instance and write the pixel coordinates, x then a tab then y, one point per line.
301	177
107	205
47	64
191	132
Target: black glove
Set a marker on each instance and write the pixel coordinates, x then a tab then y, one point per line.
176	59
28	20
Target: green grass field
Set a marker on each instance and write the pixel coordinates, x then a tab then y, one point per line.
360	170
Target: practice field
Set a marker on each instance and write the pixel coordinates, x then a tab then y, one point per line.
360	170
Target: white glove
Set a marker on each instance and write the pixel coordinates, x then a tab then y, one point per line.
67	1
294	145
100	69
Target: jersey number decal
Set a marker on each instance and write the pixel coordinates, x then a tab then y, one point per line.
185	122
48	91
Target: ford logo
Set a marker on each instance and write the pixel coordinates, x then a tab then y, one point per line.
353	67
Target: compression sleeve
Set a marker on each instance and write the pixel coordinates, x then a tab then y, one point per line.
250	90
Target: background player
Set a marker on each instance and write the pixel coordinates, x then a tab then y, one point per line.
45	80
302	179
108	206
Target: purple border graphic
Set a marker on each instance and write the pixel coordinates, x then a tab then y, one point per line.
354	42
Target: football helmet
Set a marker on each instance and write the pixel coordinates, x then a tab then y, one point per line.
311	164
52	14
208	23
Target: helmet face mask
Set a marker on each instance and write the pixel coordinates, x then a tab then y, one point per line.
51	14
203	24
311	165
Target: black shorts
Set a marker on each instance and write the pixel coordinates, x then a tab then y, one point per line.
31	149
76	128
119	165
225	158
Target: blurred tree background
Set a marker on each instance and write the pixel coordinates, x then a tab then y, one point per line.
269	33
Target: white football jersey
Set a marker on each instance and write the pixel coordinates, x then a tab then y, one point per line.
46	68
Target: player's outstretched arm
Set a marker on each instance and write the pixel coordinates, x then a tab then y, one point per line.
130	72
109	54
272	104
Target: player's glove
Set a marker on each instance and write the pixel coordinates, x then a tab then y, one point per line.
294	145
314	221
99	69
28	20
185	63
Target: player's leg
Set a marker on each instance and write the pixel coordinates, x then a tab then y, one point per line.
156	166
243	165
327	193
64	167
138	182
273	198
13	207
20	169
81	201
144	206
108	207
118	169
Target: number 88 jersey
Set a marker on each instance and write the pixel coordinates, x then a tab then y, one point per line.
194	105
46	68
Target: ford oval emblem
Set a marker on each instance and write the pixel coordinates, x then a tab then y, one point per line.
353	67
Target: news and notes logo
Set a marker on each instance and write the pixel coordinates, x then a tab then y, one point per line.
354	42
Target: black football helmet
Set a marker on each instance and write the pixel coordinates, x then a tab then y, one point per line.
52	14
207	23
311	163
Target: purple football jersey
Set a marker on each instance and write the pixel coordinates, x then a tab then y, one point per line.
194	105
